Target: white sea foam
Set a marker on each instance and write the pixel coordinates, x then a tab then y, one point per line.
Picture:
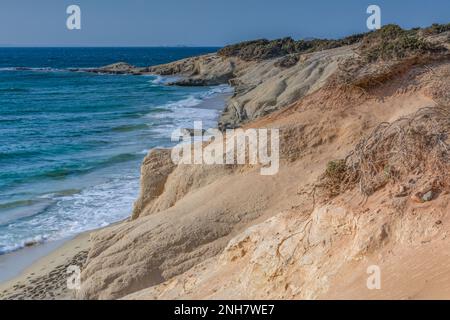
94	207
220	89
161	80
109	201
182	113
41	69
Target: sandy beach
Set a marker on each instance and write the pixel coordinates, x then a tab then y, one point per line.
45	278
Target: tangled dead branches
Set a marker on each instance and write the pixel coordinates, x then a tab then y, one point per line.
410	145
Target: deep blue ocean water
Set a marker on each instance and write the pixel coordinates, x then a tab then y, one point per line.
71	143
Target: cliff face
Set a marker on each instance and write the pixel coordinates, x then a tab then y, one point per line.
269	75
321	247
261	87
203	231
325	254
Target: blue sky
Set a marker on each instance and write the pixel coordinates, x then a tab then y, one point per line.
200	22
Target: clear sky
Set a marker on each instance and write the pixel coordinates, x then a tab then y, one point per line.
200	22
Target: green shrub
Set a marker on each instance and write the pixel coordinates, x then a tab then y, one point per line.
336	168
437	28
392	42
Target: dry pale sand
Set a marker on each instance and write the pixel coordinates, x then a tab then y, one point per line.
47	277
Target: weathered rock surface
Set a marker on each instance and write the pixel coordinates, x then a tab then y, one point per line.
116	68
214	231
206	70
269	75
201	208
155	170
266	88
326	254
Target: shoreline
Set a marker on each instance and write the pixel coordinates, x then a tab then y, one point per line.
46	277
14	263
39	271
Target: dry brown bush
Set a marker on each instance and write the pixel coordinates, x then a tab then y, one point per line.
416	145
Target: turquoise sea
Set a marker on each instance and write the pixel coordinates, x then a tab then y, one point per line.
71	143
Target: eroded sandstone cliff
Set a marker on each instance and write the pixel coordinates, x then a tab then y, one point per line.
212	231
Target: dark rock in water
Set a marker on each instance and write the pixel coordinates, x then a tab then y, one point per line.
31	243
202	82
22	69
116	68
189	82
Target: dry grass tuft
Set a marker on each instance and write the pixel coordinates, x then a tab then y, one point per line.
411	145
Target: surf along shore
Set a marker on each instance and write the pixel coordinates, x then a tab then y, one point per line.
39	270
310	230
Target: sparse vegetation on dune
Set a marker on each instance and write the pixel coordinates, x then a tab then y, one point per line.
392	42
411	146
436	28
388	52
389	42
266	49
336	177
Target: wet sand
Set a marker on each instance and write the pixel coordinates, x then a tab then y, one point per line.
46	278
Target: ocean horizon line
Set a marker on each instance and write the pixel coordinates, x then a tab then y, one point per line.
104	47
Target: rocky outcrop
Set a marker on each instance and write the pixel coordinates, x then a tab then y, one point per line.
207	70
155	169
326	254
116	68
269	75
328	247
270	86
189	221
225	231
260	87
